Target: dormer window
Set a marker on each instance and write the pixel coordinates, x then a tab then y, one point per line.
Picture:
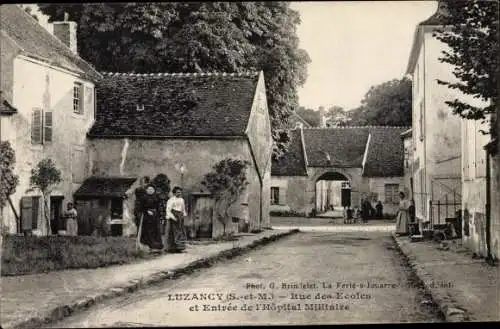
139	107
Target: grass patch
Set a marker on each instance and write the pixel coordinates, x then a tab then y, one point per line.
28	255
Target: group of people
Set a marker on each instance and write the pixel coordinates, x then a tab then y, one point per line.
156	217
366	212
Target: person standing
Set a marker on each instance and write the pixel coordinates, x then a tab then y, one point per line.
366	210
379	210
403	217
175	213
149	206
70	216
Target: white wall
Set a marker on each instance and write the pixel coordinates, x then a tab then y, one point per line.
37	85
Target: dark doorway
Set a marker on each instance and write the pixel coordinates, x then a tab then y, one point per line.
56	213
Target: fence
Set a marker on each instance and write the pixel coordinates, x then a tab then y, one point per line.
439	211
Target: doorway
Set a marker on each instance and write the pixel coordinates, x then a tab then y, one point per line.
56	213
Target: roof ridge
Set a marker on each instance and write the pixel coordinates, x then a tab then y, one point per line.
183	74
347	127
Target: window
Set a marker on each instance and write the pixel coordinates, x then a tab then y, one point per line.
78	98
275	195
391	193
116	208
41	126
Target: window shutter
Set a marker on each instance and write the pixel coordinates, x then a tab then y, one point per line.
36	211
36	127
47	132
26	214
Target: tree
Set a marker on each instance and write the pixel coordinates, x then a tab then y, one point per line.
470	29
311	116
226	183
337	116
29	10
387	104
195	37
44	177
8	180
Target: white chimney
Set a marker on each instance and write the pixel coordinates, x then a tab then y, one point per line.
66	32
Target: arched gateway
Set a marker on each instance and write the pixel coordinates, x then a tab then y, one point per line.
338	166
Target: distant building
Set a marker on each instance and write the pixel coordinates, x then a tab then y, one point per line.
338	166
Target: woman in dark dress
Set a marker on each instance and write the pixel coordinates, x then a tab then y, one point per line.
150	212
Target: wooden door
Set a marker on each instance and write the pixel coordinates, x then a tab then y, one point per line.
202	216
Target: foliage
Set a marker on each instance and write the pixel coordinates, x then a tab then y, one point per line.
197	37
161	183
44	177
226	183
8	180
312	117
33	254
387	104
29	11
337	117
471	33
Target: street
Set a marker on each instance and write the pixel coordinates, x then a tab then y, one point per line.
308	278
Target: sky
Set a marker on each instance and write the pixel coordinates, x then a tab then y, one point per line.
354	45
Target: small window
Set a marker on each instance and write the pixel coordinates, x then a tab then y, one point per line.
36	126
78	98
391	193
275	195
116	208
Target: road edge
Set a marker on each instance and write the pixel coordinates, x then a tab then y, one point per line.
449	311
63	311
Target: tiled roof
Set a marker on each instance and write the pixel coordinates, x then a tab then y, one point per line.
293	162
345	147
335	147
105	187
175	104
35	41
385	152
5	107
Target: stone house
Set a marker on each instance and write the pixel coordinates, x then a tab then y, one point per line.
48	103
342	165
436	132
452	172
181	125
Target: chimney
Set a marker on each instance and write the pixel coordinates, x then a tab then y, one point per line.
66	32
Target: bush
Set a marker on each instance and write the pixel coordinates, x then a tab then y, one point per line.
32	254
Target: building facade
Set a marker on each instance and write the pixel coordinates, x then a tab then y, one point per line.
181	125
436	132
52	90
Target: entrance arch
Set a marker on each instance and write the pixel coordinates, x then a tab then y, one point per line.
332	189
